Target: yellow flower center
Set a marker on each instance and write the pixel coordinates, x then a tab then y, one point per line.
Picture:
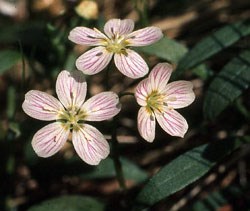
71	118
116	45
155	101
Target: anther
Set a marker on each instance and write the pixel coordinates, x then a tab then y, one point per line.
91	37
99	54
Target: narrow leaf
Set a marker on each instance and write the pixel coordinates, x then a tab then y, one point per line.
69	203
233	79
184	170
8	58
213	44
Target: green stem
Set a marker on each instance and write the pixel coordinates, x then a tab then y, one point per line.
116	157
114	142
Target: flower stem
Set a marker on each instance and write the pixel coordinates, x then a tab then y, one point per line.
116	159
114	142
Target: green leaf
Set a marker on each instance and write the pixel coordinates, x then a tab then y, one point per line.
166	49
8	58
185	169
213	44
233	79
69	203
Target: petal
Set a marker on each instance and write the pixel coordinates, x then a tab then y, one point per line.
41	105
145	36
90	144
179	94
101	107
94	60
71	88
132	65
146	124
172	122
86	36
118	27
160	75
142	91
50	139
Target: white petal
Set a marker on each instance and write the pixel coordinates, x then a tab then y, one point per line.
159	76
118	27
94	60
172	122
50	139
86	36
71	88
90	144
132	65
146	124
145	36
41	105
142	91
101	107
179	94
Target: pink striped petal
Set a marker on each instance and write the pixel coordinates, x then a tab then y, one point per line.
146	124
71	88
94	60
101	107
118	27
142	91
86	36
90	144
50	139
172	122
179	94
160	75
132	65
145	36
41	105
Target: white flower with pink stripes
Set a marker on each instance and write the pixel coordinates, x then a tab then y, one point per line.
159	101
117	40
70	115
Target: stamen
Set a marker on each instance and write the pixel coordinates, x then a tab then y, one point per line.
72	118
45	108
172	99
99	54
71	95
91	37
155	101
54	139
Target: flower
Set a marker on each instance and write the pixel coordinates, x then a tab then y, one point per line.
119	37
87	9
70	114
159	99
